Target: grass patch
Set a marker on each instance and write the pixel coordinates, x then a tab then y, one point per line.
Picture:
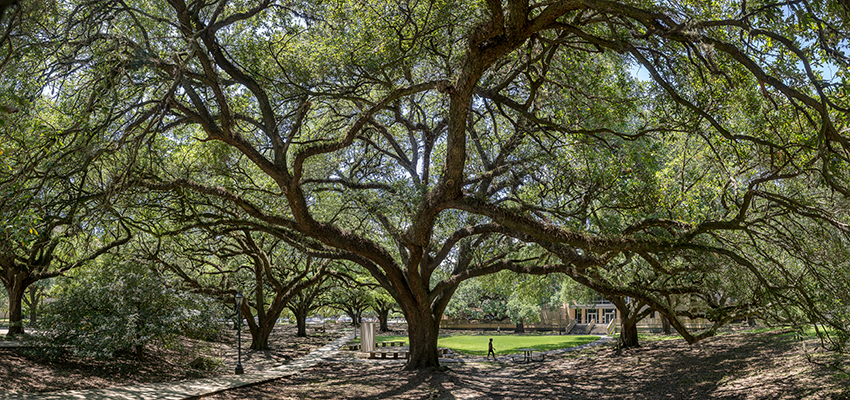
476	345
766	329
510	344
388	338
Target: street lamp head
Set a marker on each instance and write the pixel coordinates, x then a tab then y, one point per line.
239	296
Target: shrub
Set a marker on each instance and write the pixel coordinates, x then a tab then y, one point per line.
119	307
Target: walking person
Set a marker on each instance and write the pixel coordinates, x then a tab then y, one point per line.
491	351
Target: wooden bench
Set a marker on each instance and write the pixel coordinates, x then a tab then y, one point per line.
354	347
386	354
395	354
389	344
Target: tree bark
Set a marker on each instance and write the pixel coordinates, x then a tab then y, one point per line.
32	301
139	351
260	340
423	330
260	331
520	327
300	323
665	325
630	314
16	288
628	334
383	315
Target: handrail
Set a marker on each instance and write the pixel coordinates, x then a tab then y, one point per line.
590	326
570	326
612	327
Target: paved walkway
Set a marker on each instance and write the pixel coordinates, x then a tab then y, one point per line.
191	389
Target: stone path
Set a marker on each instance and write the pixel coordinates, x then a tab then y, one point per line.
192	389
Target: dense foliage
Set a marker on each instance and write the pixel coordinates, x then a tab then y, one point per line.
123	307
691	155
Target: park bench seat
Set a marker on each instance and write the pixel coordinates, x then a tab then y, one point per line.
387	354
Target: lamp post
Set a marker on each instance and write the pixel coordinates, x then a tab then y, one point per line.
239	298
355	323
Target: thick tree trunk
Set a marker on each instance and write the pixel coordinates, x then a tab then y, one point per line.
628	334
16	297
383	315
301	324
261	331
520	327
423	331
260	339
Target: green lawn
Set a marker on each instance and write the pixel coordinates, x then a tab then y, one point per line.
509	344
504	344
383	339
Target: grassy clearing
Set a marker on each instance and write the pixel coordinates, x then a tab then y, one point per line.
510	344
477	345
388	338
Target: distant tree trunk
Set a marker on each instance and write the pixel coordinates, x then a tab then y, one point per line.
520	327
139	351
139	348
33	300
300	322
630	314
665	325
383	315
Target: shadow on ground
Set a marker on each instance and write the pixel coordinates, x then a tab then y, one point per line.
738	366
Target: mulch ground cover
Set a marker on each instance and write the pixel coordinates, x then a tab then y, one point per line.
733	366
25	370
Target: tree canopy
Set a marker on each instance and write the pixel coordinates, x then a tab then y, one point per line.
652	149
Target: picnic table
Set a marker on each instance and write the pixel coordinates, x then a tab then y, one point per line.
528	353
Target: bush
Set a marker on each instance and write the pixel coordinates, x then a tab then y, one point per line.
120	307
202	318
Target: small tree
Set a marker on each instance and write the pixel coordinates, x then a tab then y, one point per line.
308	300
33	297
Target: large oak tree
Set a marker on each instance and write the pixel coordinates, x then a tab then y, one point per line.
415	138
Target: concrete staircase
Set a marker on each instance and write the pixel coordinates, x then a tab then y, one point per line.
581	329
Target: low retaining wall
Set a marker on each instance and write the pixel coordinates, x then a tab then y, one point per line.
491	326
